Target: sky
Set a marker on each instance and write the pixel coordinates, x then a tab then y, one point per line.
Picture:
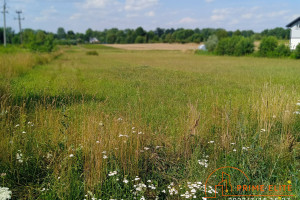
79	15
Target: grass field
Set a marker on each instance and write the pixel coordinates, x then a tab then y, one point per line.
145	124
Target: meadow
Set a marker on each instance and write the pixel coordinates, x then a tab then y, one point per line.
96	122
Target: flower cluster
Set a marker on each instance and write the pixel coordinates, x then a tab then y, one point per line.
5	193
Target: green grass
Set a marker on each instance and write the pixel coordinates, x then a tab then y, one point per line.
79	106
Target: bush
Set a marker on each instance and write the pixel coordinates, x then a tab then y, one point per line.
211	43
296	53
268	46
235	45
244	47
92	53
282	51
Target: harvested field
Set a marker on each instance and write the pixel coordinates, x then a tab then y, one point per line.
156	46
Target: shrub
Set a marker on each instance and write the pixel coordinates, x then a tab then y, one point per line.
211	43
282	51
235	45
297	52
92	53
244	47
268	46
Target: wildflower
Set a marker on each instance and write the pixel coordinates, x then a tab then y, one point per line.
245	148
140	133
42	190
120	119
211	142
104	152
23	132
289	182
58	177
164	191
232	143
234	150
133	128
101	123
193	191
71	155
123	135
298	104
146	148
157	147
98	142
262	130
203	198
203	162
5	193
19	156
105	157
3	174
297	112
149	181
125	181
137	178
112	173
49	155
17	125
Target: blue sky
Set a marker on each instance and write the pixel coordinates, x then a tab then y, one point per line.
79	15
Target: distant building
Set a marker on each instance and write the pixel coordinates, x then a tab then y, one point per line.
202	47
295	33
94	40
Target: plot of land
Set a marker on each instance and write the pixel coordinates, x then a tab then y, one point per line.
156	46
119	124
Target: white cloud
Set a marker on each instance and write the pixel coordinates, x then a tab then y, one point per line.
138	5
209	1
47	14
187	20
96	3
150	14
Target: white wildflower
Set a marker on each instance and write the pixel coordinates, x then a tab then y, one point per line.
105	157
262	130
125	181
5	193
71	155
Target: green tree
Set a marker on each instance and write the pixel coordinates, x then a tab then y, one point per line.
61	33
268	46
211	43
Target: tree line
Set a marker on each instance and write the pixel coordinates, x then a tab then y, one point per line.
36	39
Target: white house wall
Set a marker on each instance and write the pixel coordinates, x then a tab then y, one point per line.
294	43
295	36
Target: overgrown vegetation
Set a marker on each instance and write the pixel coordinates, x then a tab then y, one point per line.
123	125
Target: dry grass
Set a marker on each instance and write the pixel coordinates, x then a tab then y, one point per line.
156	46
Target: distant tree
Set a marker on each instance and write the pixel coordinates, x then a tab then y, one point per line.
160	31
211	43
88	34
221	33
237	33
61	33
140	39
140	31
111	38
71	35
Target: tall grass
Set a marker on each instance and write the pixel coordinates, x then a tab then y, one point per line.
82	126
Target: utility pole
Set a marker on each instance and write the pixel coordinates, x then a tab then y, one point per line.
4	18
19	12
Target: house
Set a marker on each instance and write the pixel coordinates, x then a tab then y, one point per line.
295	33
94	40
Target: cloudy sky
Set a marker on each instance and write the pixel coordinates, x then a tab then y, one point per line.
79	15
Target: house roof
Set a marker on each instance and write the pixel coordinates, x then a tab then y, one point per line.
293	22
